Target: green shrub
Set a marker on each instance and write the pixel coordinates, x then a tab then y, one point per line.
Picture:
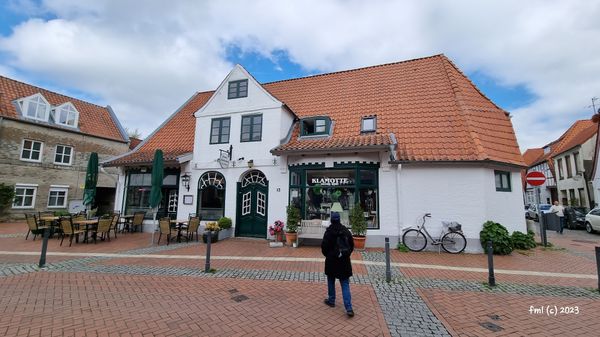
522	240
7	194
402	248
293	219
498	234
225	223
357	221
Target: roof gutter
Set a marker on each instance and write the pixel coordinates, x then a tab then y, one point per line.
333	150
470	162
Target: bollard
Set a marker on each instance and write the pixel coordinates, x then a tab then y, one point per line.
490	251
42	263
598	265
207	263
543	230
388	269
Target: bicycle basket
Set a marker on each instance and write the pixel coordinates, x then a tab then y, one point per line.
455	227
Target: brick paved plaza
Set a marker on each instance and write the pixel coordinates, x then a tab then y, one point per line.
127	287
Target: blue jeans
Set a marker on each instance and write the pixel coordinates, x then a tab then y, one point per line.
345	283
562	224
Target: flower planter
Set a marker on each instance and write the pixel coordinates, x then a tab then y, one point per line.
214	237
290	238
359	242
225	233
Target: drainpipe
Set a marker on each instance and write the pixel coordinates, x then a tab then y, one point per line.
398	200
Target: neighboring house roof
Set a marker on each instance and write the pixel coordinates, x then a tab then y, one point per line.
426	107
531	156
580	132
133	142
94	120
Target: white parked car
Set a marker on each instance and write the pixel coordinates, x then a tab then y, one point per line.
592	220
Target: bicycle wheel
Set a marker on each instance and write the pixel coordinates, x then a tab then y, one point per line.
414	240
454	242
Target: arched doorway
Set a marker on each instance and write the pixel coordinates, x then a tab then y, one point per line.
211	196
252	201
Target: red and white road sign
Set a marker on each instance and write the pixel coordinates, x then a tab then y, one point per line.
535	178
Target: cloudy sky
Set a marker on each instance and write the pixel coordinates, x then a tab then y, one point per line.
539	60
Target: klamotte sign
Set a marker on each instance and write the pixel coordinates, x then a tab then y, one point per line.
330	181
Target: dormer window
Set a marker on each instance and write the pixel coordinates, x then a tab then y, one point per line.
315	126
35	107
238	89
368	124
66	114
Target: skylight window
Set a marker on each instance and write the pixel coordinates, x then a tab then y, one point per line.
368	124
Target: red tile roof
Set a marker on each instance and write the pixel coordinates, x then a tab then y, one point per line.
531	156
580	132
133	142
431	108
94	120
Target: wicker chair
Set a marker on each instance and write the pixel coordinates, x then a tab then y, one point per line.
192	228
114	225
138	220
33	226
104	226
164	226
66	224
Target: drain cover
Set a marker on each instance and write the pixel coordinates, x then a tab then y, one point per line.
491	326
233	291
494	317
239	298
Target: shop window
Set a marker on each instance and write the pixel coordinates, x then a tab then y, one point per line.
315	126
502	181
24	196
63	154
31	150
368	124
251	128
211	191
237	89
219	130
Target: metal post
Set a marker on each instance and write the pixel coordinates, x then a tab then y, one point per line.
42	263
207	263
388	269
490	251
543	229
598	265
541	217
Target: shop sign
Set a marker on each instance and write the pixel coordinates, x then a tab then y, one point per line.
331	181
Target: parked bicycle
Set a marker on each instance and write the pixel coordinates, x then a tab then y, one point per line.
451	237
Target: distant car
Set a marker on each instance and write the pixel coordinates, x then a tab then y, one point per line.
526	212
592	220
533	212
574	217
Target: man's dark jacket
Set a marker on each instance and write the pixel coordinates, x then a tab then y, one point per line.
338	267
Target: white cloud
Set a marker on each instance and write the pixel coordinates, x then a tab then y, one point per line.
147	60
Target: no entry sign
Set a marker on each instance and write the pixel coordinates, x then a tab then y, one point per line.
535	178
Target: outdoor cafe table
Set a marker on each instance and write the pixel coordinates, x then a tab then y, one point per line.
126	220
179	224
88	224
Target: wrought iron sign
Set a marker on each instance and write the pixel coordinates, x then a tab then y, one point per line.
225	157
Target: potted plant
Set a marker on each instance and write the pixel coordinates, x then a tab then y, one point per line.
358	226
212	229
225	228
276	230
293	221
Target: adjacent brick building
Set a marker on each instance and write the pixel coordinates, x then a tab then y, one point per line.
45	141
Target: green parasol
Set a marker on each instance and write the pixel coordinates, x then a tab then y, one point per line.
157	179
91	178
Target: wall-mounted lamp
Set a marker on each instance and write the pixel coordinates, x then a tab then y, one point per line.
274	161
251	163
185	181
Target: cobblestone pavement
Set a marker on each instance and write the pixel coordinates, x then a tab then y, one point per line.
163	296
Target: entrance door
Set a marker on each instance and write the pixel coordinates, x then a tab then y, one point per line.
252	199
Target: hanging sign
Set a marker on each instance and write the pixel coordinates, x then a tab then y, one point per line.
225	157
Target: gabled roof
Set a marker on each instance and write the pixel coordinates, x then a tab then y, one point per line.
133	142
425	107
580	132
531	156
94	120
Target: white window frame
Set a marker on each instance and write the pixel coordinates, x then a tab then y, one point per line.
23	148
25	107
63	155
59	109
362	124
34	187
58	188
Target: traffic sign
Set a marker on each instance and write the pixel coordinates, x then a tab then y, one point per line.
535	178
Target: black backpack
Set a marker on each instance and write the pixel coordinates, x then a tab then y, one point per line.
343	246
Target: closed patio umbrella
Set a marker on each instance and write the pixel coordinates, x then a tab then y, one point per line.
91	179
157	180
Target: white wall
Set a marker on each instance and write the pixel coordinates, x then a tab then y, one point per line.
586	152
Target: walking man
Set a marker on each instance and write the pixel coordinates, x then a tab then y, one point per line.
559	210
337	245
